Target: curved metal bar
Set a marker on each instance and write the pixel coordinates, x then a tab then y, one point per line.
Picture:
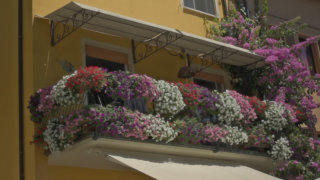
62	29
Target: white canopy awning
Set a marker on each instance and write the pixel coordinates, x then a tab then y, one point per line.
107	22
191	170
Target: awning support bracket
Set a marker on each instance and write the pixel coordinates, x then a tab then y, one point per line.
61	29
214	56
146	48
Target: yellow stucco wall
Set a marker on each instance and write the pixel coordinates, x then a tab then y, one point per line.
9	164
169	13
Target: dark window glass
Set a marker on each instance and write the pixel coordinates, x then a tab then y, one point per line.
201	5
307	55
100	98
208	84
111	66
207	6
189	3
211	7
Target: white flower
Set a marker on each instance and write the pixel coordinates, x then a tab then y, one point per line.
159	129
274	119
281	150
170	101
62	95
54	136
229	111
235	136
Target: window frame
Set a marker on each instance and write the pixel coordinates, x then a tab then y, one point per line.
315	49
217	9
129	65
213	78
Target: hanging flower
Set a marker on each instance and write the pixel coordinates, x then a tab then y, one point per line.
281	150
191	93
274	117
247	111
236	136
229	111
214	133
208	102
128	86
258	105
170	102
86	79
145	86
62	95
119	121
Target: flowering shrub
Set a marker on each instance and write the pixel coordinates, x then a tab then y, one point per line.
62	95
246	109
159	129
281	150
116	121
145	86
258	105
86	79
292	170
170	102
65	130
191	93
236	136
214	133
229	111
121	85
285	73
41	103
233	117
259	137
190	130
274	117
54	136
305	149
208	102
129	86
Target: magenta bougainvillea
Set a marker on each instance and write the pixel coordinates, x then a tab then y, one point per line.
285	79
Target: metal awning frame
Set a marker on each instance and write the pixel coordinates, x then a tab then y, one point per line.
69	25
143	49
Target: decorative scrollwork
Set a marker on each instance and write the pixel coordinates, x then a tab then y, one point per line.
214	57
62	29
150	46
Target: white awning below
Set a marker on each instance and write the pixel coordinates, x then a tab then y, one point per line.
191	169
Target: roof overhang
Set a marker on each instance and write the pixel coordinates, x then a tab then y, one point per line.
102	21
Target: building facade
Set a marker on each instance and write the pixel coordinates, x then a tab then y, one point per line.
45	62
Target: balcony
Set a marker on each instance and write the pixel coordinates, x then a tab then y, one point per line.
184	125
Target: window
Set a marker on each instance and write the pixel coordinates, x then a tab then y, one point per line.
310	55
206	6
101	98
210	81
112	61
209	84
